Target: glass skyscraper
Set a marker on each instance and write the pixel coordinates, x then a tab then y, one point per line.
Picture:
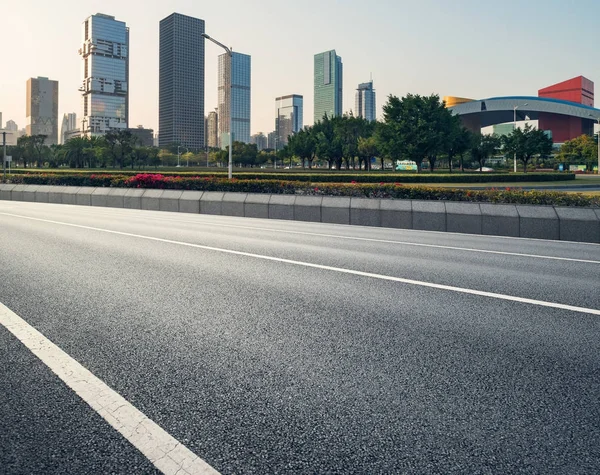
181	82
328	85
105	87
365	101
289	117
241	97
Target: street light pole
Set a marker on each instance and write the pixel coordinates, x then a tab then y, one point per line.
178	156
515	128
598	119
230	53
4	157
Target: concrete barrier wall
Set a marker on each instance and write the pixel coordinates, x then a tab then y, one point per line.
543	222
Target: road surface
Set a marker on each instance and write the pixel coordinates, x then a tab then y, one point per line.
264	346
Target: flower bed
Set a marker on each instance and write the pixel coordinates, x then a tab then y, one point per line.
355	189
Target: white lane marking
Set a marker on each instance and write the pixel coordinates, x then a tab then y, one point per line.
431	285
165	452
382	241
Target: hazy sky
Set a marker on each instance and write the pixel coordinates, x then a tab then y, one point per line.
470	48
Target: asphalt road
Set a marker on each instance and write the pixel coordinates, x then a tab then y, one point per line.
299	352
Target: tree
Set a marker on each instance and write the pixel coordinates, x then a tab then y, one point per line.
367	149
303	145
527	143
580	150
75	149
414	128
483	147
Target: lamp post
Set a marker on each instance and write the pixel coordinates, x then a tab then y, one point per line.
178	157
598	119
515	128
230	54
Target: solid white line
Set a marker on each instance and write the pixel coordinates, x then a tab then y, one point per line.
382	241
450	288
165	452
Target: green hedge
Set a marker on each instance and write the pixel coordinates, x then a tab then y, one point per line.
364	190
350	177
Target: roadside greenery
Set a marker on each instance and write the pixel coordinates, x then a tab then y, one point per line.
365	190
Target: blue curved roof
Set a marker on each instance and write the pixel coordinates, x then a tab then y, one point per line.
498	110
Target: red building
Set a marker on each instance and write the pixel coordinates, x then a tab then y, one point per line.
579	90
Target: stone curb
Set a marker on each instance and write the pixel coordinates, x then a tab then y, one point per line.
528	221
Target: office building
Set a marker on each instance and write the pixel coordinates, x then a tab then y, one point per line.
212	129
105	88
181	82
260	140
69	124
289	118
42	109
145	137
12	126
272	140
328	78
365	101
240	112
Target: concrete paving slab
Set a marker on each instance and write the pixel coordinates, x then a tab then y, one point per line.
5	191
257	205
99	196
335	209
69	195
499	219
396	214
308	208
463	217
281	206
133	198
429	215
540	222
151	199
365	212
233	204
84	195
189	202
211	202
17	192
116	197
169	201
578	224
29	193
55	194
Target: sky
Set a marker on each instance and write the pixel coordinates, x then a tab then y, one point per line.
467	48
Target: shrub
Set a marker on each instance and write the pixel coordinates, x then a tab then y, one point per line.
363	190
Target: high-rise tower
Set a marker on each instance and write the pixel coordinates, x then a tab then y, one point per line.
241	97
365	101
181	82
42	109
328	78
289	118
105	88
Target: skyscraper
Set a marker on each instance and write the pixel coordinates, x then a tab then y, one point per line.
365	101
181	82
42	109
12	126
69	124
289	118
328	85
105	88
241	97
212	129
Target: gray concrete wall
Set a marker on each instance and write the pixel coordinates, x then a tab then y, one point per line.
542	222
